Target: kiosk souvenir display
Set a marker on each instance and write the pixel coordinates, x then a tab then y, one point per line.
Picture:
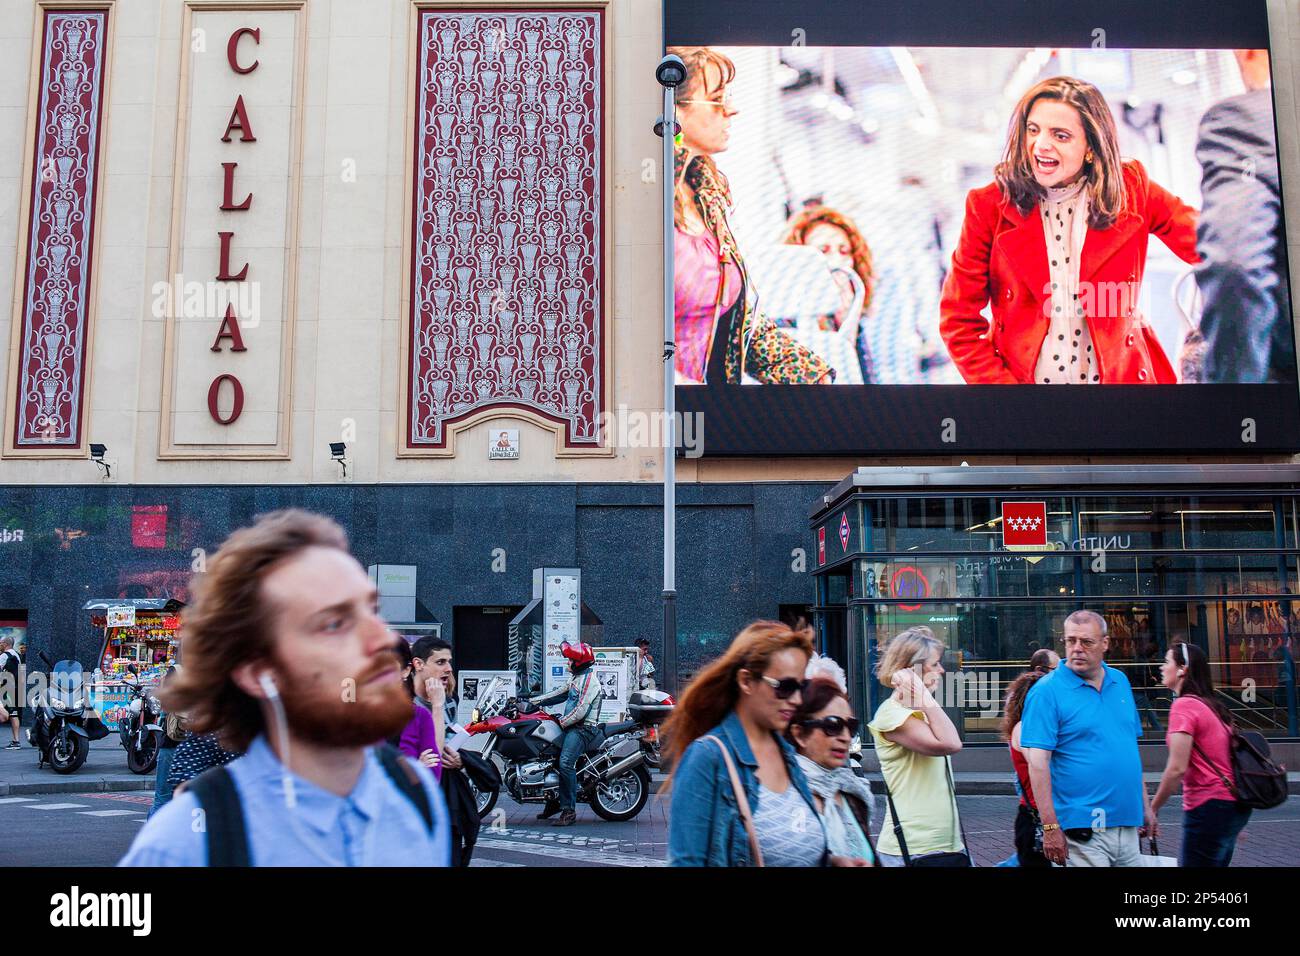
144	632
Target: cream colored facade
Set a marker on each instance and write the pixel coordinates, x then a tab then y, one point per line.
333	210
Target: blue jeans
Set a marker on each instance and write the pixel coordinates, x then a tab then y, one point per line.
161	791
576	741
1210	833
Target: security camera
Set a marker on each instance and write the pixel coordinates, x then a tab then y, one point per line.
671	71
97	453
338	452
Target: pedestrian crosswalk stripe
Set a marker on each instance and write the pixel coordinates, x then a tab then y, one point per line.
17	799
55	806
571	853
110	813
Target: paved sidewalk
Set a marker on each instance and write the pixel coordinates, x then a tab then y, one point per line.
104	771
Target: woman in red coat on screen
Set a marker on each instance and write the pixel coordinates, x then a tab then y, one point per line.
1057	244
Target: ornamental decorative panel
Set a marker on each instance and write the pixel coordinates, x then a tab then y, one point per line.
53	342
507	293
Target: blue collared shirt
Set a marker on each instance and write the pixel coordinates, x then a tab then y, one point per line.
1092	734
374	825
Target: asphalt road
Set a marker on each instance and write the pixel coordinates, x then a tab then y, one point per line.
95	829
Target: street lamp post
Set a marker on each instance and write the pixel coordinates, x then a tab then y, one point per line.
670	73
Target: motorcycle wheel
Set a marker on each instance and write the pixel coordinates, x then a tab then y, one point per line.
484	800
68	760
623	797
144	758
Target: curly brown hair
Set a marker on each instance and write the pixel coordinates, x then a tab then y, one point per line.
1014	704
806	220
229	623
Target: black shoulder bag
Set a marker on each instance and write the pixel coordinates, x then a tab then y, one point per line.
949	858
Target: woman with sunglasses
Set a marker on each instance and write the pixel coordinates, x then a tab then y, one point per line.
720	338
725	744
822	731
914	738
1200	758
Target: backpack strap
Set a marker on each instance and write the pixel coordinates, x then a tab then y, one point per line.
742	801
223	817
1232	787
407	781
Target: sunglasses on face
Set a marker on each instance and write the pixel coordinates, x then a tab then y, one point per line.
726	103
832	726
784	688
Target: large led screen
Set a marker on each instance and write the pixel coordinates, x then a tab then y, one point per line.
1006	227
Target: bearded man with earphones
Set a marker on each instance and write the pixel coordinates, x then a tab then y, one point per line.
286	655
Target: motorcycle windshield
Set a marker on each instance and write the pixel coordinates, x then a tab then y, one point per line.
65	684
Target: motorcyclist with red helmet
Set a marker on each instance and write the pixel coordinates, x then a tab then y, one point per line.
581	696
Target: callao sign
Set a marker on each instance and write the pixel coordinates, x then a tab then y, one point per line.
229	328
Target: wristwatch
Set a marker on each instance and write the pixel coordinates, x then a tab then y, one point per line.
1051	826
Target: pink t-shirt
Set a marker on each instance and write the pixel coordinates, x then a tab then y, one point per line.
698	273
1191	715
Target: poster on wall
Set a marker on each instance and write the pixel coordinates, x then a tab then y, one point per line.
616	670
939	218
16	631
483	690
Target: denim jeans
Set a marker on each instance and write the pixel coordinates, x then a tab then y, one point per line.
161	791
1210	833
576	741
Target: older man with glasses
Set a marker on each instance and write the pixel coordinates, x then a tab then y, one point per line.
1079	734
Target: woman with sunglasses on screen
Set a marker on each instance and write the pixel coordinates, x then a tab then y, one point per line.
914	738
822	731
738	795
719	337
1057	246
1200	758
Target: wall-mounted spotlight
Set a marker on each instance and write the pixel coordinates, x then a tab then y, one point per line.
339	452
97	453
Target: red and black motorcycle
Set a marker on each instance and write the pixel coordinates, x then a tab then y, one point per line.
525	745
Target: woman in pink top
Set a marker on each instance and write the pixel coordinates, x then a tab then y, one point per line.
1200	757
719	336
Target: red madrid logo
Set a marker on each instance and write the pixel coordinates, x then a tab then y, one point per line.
1024	523
844	530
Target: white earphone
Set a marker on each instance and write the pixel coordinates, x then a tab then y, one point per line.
267	683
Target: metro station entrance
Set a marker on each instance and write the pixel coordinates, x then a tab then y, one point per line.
1207	555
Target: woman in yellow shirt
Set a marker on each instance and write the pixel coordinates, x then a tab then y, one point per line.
914	738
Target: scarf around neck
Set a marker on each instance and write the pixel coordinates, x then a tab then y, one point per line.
827	783
712	197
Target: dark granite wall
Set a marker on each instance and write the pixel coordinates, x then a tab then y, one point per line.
734	559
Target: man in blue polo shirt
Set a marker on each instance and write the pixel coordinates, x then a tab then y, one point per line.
1079	734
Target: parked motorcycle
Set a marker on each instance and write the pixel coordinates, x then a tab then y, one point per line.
651	708
65	723
525	745
141	726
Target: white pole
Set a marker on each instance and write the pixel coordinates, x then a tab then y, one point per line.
670	402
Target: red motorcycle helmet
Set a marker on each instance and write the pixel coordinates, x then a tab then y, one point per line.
578	654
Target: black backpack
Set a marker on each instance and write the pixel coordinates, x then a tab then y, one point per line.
1259	783
227	835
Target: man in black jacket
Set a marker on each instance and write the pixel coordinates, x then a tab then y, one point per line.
1246	317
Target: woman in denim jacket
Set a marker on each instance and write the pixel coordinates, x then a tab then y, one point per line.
745	699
